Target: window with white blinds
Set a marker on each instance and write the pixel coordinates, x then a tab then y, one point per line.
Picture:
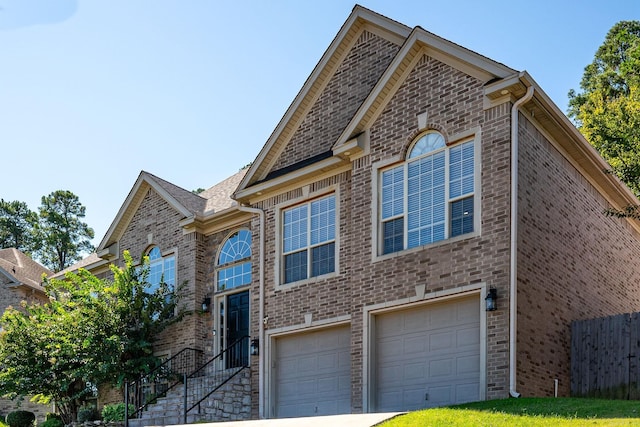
430	197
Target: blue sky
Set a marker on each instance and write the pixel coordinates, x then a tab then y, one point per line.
94	91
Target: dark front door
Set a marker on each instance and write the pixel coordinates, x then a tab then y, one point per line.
237	329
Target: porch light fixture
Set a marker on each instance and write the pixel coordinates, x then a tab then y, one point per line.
491	300
206	304
254	348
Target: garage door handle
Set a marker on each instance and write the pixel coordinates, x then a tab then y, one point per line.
426	396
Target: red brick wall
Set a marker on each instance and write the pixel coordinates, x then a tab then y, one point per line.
573	262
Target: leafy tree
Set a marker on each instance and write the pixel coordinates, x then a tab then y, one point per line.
64	236
607	111
17	224
59	350
142	316
91	332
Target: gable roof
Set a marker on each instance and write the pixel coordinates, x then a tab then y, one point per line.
415	43
193	207
361	19
21	270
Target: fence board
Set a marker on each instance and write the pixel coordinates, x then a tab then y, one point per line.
604	357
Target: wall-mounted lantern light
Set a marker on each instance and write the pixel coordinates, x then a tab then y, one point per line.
491	300
206	304
254	348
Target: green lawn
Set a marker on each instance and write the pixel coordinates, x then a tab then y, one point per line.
529	412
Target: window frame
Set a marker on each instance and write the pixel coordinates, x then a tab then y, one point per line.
165	256
235	263
307	199
473	136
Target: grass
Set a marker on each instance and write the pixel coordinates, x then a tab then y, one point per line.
527	412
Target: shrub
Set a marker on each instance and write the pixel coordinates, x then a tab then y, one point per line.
52	415
115	412
52	422
21	419
88	413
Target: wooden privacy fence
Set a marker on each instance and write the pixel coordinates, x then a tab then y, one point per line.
604	357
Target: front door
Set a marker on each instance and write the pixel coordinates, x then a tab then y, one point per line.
236	327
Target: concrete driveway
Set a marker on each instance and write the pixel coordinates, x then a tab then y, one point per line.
347	420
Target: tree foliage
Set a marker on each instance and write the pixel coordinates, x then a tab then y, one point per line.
91	332
59	349
17	225
55	236
607	111
64	236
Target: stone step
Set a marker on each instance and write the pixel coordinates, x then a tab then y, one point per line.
232	402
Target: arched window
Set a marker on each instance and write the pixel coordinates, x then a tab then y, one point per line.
161	269
234	261
430	197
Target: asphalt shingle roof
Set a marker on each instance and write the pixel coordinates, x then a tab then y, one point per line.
23	269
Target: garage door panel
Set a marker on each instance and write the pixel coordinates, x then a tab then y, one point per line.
439	368
414	370
467	364
414	397
414	344
467	337
313	373
441	318
438	396
440	359
467	392
442	341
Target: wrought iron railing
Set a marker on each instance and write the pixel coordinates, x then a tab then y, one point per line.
205	381
154	385
199	380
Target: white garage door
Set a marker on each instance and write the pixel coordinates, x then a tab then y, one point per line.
428	356
313	373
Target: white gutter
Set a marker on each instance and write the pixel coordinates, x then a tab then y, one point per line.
261	355
513	272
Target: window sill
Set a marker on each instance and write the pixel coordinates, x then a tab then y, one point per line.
315	279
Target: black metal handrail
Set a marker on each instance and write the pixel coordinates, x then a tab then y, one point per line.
155	384
217	371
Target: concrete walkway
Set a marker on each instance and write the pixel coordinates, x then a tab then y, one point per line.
348	420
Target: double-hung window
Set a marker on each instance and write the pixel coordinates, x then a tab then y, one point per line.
308	239
430	197
161	270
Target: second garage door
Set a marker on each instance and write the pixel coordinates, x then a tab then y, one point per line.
428	356
313	373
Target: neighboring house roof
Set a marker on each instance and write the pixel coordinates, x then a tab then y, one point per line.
22	270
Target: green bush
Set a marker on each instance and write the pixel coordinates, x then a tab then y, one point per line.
52	415
115	412
52	422
88	413
21	419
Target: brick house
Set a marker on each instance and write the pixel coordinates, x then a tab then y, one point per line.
20	280
410	181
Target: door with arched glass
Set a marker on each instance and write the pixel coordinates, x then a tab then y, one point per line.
233	276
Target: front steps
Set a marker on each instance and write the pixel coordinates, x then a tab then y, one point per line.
232	402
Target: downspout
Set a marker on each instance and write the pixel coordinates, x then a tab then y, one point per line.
513	272
261	355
